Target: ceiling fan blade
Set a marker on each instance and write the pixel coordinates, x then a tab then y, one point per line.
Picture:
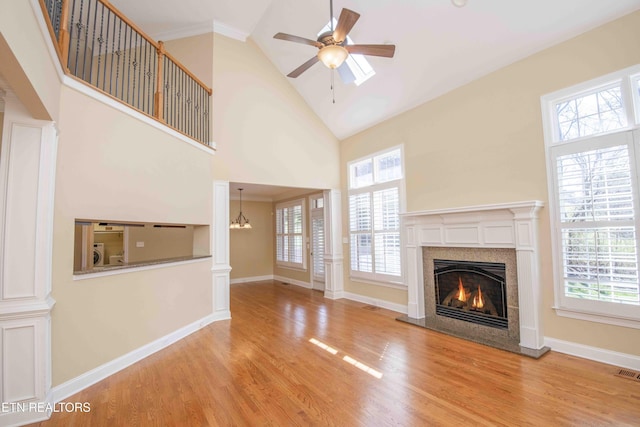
385	50
296	39
346	75
304	67
346	22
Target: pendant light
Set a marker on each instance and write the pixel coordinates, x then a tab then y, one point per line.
241	221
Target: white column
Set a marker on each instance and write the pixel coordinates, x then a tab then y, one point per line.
413	270
27	183
220	245
529	289
333	258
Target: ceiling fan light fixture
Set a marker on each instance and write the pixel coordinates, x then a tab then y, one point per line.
333	56
459	3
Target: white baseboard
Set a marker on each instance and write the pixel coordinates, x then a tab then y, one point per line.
400	308
91	377
293	282
251	279
334	294
615	358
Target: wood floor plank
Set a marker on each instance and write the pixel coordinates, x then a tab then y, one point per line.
261	369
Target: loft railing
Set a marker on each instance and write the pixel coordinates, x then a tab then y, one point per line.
100	46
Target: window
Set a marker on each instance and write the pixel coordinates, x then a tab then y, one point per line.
290	234
375	200
592	140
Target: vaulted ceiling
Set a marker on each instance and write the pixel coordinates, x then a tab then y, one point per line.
438	46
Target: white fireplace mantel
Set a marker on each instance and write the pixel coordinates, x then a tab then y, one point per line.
505	225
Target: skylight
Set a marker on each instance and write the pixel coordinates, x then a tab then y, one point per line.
358	64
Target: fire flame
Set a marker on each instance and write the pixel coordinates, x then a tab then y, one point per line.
462	296
478	301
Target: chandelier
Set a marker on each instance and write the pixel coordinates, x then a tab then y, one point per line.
241	221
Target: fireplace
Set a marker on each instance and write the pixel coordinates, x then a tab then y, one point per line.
474	292
488	253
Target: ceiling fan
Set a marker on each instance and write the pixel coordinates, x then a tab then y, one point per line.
333	47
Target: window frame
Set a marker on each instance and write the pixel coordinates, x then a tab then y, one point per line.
285	263
620	314
381	279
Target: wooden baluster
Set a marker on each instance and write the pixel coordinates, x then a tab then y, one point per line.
159	101
64	37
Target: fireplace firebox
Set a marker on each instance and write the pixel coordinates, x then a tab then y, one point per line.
471	291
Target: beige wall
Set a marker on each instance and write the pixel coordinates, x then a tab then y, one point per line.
111	165
265	131
251	251
195	53
483	143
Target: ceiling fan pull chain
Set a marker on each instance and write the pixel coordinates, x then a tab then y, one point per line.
333	86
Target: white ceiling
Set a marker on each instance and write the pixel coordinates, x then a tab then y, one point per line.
438	46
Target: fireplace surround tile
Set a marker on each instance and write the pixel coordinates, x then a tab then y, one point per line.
509	337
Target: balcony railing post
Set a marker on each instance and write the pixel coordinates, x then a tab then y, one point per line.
159	101
64	37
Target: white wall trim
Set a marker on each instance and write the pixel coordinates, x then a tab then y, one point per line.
229	31
252	279
400	308
300	283
133	269
615	358
598	318
334	294
95	375
180	33
26	309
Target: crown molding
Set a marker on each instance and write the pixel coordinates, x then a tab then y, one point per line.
203	28
229	31
180	33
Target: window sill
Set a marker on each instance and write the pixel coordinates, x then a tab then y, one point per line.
598	318
386	284
141	266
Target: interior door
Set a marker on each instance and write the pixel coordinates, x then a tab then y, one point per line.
317	243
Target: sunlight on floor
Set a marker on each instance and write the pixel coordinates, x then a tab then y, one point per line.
363	367
347	359
323	346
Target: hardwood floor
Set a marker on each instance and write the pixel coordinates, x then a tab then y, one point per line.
260	368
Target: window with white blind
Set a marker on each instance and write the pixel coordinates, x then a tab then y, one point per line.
290	234
375	200
592	140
